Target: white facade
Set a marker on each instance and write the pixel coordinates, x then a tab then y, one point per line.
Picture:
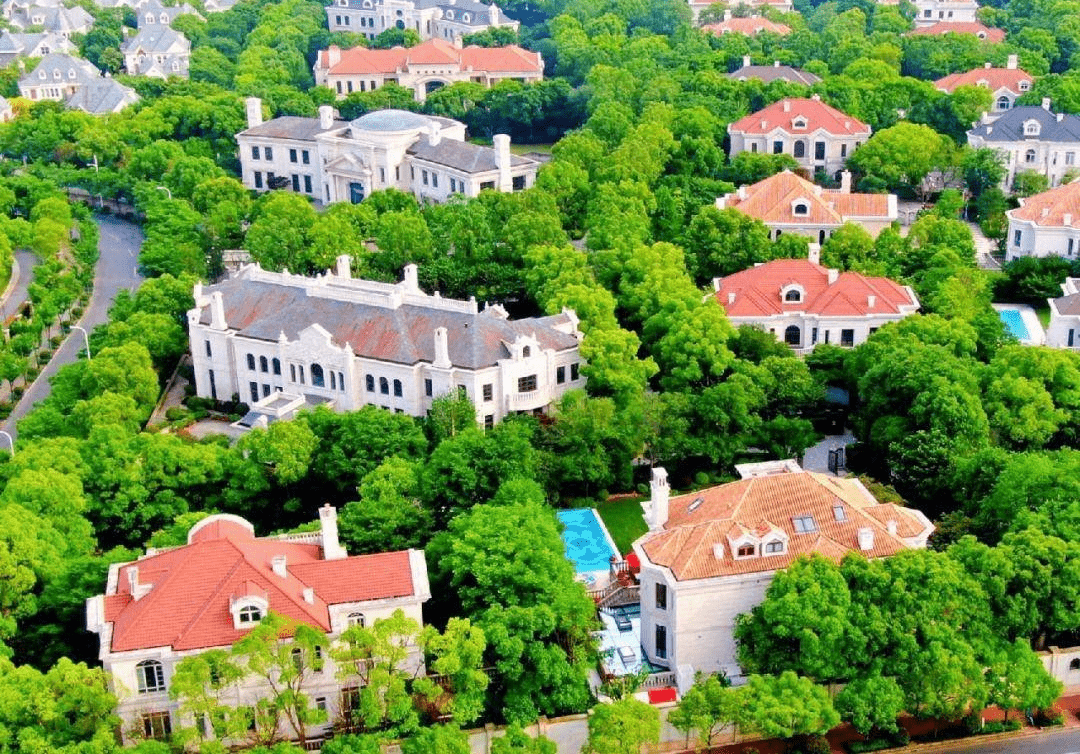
1064	328
157	51
1032	139
1045	224
933	11
516	366
438	19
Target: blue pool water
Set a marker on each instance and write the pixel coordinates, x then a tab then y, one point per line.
1014	323
587	547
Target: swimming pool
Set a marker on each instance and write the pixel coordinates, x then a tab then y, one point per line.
1014	322
587	544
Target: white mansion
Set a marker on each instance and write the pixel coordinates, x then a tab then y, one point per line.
178	602
334	160
1046	224
282	342
431	19
1031	138
710	555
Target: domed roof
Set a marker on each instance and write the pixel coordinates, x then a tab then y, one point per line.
390	120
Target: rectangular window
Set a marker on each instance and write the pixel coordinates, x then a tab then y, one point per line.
292	372
488	391
268	153
826	336
1016	237
661	642
382	175
292	155
253	387
320	703
753	148
307	184
527	384
427	388
777	147
819	150
847	338
435	180
489	421
487	186
348	85
839	513
258	179
305	157
265	390
301	374
1071	244
209	351
843	150
804	524
157	725
560	375
339	90
254	153
813	336
296	183
1072	336
517	183
423	174
661	596
574	371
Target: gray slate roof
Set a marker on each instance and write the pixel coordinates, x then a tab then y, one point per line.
1010	126
101	97
291	127
460	155
156	39
405	335
767	73
84	70
1068	304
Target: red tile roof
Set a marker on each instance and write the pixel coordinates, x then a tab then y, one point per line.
991	78
1051	208
687	542
757	292
772	201
817	114
361	60
188	603
960	27
749	26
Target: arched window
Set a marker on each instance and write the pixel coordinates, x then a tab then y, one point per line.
369	381
151	676
356	619
1029	156
298	659
800	148
821	236
466	18
276	364
384	386
745	551
264	365
793	295
526	352
249	614
1003	102
1075	664
251	361
800	209
793	335
317	377
397	388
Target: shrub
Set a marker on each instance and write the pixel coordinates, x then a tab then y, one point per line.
1048	717
816	745
175	413
874	744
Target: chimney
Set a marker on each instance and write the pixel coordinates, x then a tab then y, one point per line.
502	160
1045	211
1060	117
493	14
1012	62
197	293
217	311
834	275
815	97
309	595
442	349
866	539
787	106
892	527
813	252
870	301
331	547
138	591
411	281
845	181
776	64
988	64
278	563
326	117
434	133
731	297
254	111
1066	219
718	550
333	56
1046	104
716	285
659	495
344	268
745	61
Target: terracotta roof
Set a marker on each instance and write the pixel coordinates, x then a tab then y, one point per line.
1049	208
773	199
757	292
686	543
361	60
188	604
960	27
818	115
749	26
991	78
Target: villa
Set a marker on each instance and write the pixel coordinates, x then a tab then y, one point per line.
1046	224
431	19
1064	328
1032	139
940	28
774	72
929	12
748	25
1006	84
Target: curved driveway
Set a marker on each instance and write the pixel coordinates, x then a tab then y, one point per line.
117	269
27	262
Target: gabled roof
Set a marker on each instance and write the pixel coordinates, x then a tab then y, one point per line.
157	39
818	115
686	543
991	78
1010	126
767	73
101	97
772	201
749	26
960	27
84	71
461	155
757	292
1069	304
361	60
1052	208
188	603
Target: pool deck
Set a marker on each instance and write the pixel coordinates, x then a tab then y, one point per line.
593	579
1036	334
610	639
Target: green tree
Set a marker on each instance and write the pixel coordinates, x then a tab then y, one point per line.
622	727
708	707
903	155
871	703
1018	680
786	706
517	741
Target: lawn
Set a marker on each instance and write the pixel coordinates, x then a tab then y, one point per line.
1043	312
624	521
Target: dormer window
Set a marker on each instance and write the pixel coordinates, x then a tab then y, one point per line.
800	208
774	547
249	614
466	17
839	513
526	352
792	293
450	15
745	551
799	123
355	619
1025	85
1032	128
248	609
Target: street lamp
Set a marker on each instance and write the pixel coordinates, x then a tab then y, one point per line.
86	338
166	190
11	441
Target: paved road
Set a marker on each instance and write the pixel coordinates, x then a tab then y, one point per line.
27	262
117	269
1066	741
